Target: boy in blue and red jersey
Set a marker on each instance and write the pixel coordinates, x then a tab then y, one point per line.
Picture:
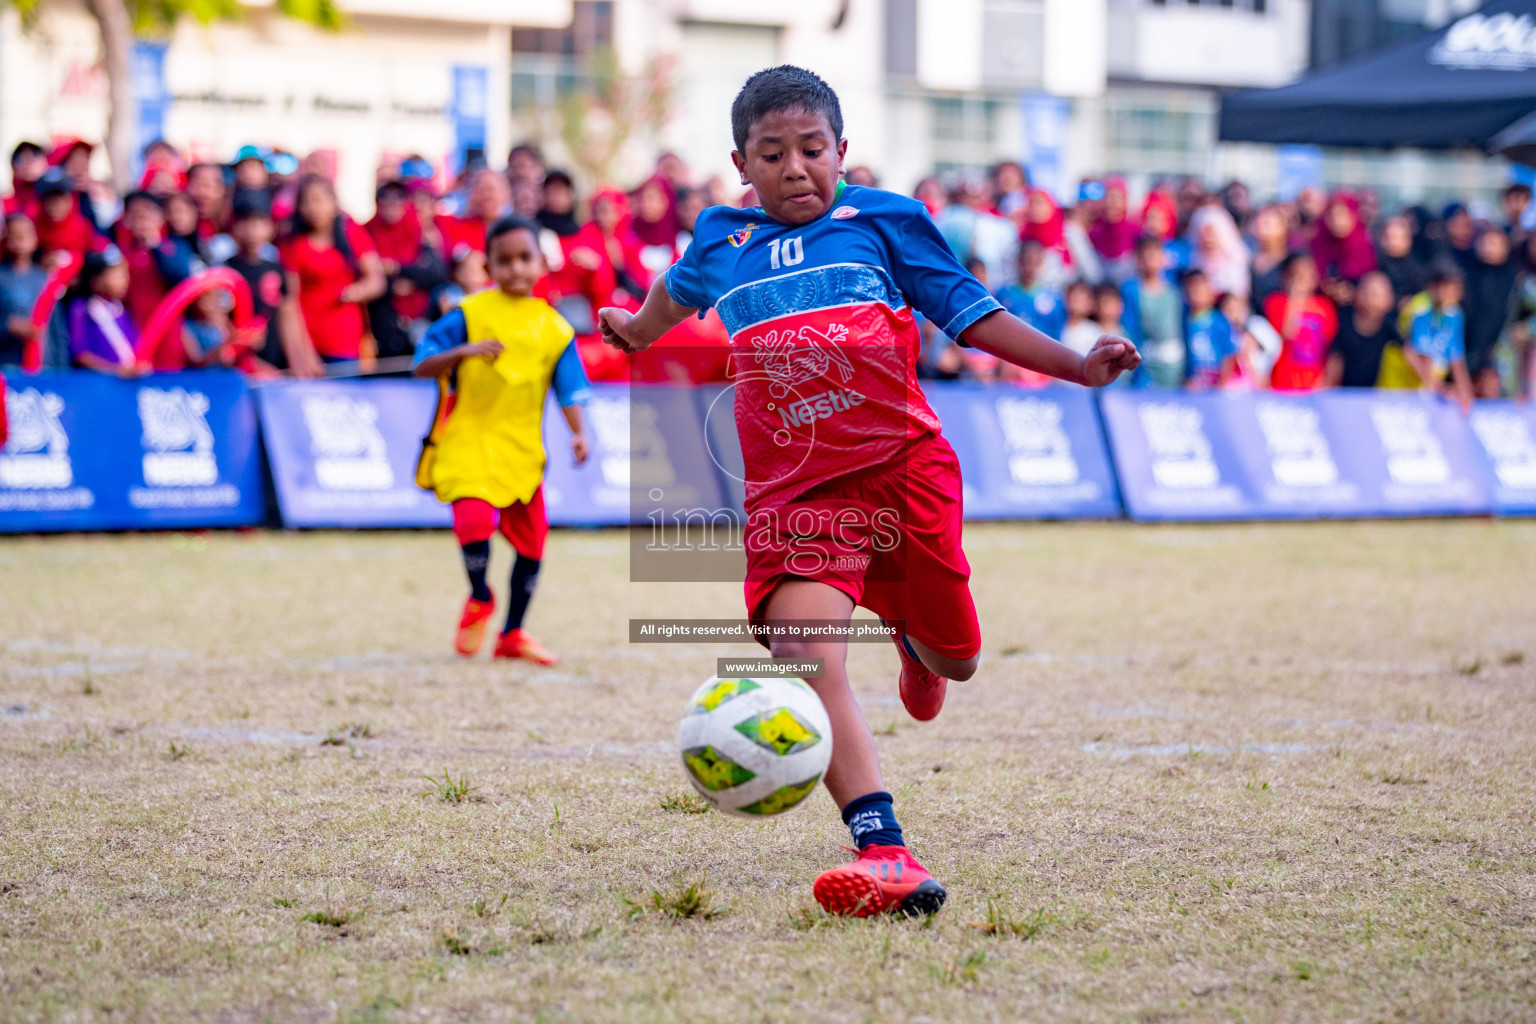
852	495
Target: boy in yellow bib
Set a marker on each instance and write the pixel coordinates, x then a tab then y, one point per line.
504	348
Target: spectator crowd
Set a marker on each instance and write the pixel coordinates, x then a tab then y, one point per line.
1214	289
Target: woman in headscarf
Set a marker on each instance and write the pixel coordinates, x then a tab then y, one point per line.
1342	247
1395	258
622	278
1160	220
1045	223
656	223
1113	232
1219	250
1490	282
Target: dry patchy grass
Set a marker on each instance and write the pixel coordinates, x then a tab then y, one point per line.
1228	773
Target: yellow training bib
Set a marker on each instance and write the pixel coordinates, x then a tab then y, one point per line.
492	446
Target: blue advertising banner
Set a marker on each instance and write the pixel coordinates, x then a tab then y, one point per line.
151	99
467	109
1028	454
649	456
343	453
717	410
168	451
1271	456
1506	437
1176	454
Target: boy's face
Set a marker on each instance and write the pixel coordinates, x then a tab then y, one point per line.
1198	291
20	236
144	220
1447	293
1374	297
1080	301
1031	257
515	262
1110	307
113	282
251	233
57	206
1150	259
793	164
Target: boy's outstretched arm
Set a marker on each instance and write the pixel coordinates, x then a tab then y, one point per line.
1012	340
634	332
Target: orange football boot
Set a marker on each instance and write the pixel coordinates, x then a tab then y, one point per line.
882	880
472	626
516	643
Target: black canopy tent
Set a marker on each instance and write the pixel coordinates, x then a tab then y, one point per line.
1455	88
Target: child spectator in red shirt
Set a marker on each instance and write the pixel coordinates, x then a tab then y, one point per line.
411	267
335	271
205	184
156	264
1307	323
27	165
483	206
63	233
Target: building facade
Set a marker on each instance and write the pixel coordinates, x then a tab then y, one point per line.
404	76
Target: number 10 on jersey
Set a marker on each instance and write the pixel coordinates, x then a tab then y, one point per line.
786	252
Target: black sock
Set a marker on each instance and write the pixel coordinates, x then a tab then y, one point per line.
872	821
477	558
525	576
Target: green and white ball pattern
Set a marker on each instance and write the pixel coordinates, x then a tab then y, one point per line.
754	747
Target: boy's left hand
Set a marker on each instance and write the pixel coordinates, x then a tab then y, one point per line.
579	449
1110	357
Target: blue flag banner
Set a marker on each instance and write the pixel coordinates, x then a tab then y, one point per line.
1506	437
1027	454
90	452
343	453
1272	456
648	457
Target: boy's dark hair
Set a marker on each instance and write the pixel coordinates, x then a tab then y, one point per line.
1292	258
1108	290
393	187
1149	242
785	87
1192	274
140	196
25	148
972	263
558	177
1519	188
1445	273
92	266
1076	283
249	203
507	225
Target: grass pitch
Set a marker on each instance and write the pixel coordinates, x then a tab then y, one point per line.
1259	773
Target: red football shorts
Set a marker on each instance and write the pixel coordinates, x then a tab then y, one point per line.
887	536
524	524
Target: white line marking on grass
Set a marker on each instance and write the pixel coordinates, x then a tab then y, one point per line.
1173	749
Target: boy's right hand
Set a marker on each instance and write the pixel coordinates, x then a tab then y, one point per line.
614	323
486	349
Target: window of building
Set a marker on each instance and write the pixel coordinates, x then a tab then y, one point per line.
964	133
1254	6
1175	136
550	63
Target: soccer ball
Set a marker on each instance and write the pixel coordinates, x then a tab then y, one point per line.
754	747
